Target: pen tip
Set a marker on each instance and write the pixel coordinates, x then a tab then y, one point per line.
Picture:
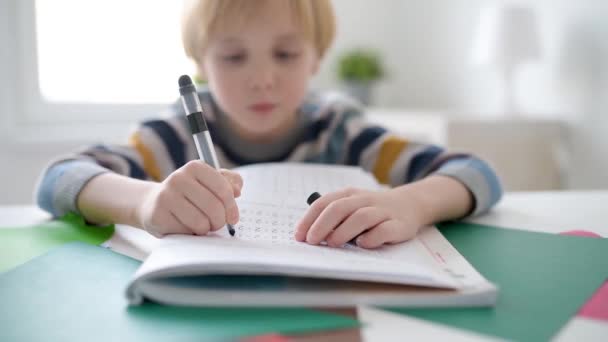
231	230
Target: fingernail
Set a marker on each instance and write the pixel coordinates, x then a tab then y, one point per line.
299	236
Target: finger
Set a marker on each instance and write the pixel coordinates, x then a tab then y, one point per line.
391	231
168	224
177	227
190	216
206	202
361	220
219	186
235	180
333	215
315	210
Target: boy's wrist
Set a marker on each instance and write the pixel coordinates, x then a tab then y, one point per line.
411	196
135	217
437	198
113	198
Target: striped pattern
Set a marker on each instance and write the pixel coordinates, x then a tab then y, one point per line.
389	152
364	139
149	162
421	161
336	133
171	141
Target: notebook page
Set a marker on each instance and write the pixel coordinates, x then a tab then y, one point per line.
406	263
276	199
272	202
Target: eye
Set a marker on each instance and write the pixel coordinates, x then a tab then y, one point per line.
285	56
235	58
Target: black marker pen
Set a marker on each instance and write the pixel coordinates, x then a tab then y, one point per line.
315	196
198	126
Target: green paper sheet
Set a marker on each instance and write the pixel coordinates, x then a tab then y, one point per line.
543	278
21	244
77	293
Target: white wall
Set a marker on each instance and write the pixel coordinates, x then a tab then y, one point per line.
428	57
580	65
424	44
426	49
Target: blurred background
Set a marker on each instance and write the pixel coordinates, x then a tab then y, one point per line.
522	84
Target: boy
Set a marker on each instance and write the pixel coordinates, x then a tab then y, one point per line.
257	58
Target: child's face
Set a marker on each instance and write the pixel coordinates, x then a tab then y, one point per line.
259	72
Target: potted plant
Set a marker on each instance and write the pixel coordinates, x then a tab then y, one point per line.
359	69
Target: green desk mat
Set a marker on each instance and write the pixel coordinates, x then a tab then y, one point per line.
20	244
76	293
543	278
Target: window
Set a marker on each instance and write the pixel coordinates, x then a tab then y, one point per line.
99	61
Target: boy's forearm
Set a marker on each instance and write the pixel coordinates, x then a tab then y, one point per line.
441	198
112	198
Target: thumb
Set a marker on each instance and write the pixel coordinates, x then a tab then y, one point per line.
234	179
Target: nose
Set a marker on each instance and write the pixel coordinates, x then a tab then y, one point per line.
263	77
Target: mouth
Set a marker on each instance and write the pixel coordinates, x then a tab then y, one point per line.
262	107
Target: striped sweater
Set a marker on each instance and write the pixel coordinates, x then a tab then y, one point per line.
331	129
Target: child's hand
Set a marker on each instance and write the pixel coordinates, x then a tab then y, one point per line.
389	216
194	199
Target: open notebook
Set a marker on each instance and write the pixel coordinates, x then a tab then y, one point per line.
264	266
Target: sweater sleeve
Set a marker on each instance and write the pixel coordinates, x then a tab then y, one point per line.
395	160
154	150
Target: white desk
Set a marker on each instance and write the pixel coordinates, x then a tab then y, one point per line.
552	212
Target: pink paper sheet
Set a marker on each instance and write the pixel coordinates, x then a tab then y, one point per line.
597	306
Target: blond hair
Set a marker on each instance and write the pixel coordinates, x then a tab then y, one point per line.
203	17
